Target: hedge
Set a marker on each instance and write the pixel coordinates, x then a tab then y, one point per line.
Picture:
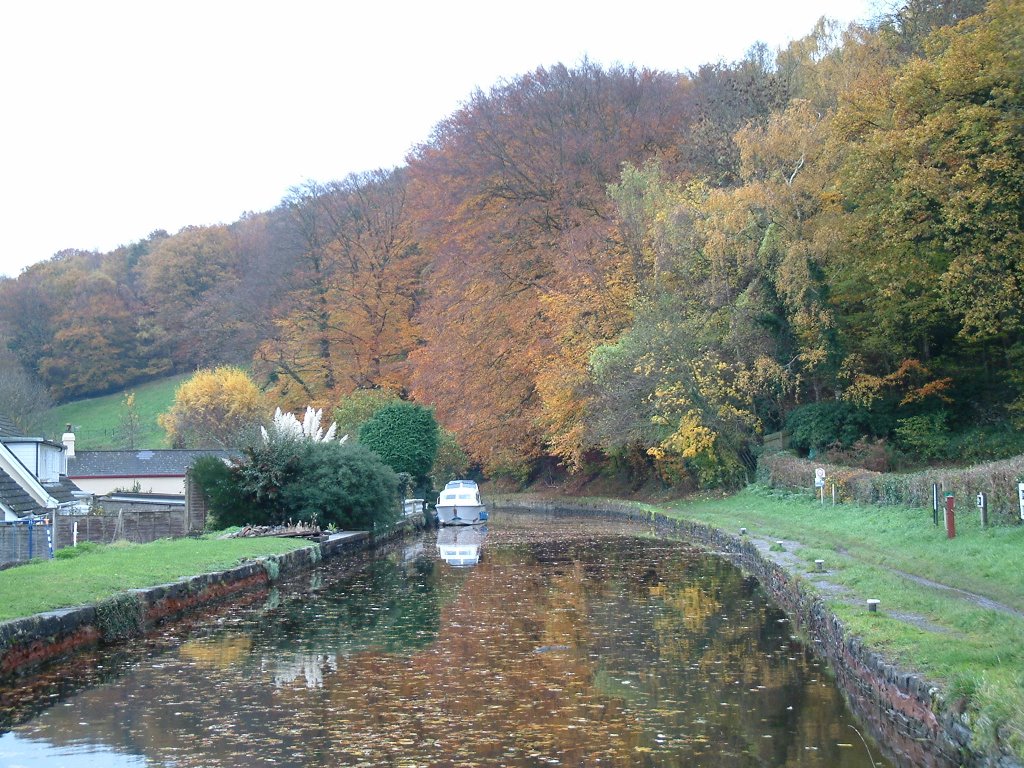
997	479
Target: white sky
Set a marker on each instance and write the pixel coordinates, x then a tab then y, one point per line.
119	118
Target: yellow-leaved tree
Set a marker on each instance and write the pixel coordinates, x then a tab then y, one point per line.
215	408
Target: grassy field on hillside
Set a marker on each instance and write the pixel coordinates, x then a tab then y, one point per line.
97	420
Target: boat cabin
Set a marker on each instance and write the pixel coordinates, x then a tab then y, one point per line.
460	493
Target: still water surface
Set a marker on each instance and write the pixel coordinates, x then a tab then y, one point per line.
570	642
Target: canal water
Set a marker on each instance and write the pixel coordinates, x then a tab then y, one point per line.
571	642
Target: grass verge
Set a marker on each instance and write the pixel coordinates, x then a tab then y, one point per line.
101	571
974	651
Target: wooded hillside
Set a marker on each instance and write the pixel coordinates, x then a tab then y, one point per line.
630	268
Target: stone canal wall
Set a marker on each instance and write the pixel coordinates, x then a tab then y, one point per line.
903	712
28	643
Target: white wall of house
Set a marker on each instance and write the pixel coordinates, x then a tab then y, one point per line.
24	476
43	460
51	463
100	486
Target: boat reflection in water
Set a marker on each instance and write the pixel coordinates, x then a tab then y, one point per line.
461	546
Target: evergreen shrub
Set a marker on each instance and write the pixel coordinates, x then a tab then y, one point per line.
327	483
219	485
404	435
833	422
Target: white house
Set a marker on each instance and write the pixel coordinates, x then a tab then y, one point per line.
33	476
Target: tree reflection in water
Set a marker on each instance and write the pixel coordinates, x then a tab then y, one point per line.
571	642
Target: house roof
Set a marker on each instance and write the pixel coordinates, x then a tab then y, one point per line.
19	487
22	439
63	491
18	500
158	463
8	428
14	496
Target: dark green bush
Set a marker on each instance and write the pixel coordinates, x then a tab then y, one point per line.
404	435
925	436
218	482
267	469
346	486
330	484
358	408
834	422
987	444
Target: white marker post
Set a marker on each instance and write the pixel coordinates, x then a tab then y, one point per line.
1020	493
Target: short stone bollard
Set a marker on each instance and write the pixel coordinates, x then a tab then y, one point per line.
873	605
743	531
819	566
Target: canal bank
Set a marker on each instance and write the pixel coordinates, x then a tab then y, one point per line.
573	641
900	707
28	643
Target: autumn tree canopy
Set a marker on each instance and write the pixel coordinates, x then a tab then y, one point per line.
215	408
624	268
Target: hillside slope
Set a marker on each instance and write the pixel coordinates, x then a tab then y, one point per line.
97	421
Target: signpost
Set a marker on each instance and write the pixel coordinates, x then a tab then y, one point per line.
1020	493
819	481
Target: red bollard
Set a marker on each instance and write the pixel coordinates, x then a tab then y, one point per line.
950	523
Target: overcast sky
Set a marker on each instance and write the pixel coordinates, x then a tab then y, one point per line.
120	118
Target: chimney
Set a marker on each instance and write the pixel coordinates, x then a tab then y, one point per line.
68	438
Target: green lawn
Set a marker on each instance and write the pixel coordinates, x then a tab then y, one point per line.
97	420
100	571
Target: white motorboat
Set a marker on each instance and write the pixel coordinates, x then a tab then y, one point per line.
460	504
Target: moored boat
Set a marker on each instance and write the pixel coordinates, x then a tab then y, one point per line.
460	504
